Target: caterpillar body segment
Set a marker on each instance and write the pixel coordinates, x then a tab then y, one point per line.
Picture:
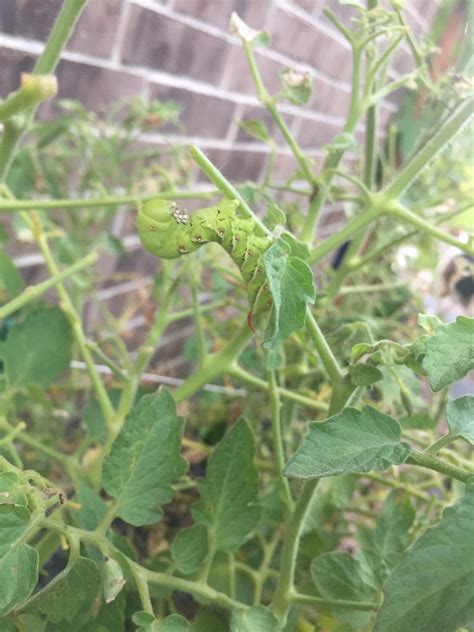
168	232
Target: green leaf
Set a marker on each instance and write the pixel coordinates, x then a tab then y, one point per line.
275	216
337	575
11	281
432	588
38	349
172	623
255	129
364	374
68	593
297	87
384	545
450	353
189	549
291	283
429	323
145	460
352	441
112	579
254	619
460	414
18	576
230	490
343	142
10	492
14	522
418	421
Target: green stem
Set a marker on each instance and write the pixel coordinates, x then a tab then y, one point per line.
349	230
408	216
142	587
267	101
433	463
335	156
33	90
283	593
144	356
32	292
46	64
67	461
382	250
284	590
241	374
328	358
198	324
312	600
275	406
216	177
451	126
74	319
215	365
24	205
437	445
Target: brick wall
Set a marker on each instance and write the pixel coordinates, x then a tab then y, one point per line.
180	49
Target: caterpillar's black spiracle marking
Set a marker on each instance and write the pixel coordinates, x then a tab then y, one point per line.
168	232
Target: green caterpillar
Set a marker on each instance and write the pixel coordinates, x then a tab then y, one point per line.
168	232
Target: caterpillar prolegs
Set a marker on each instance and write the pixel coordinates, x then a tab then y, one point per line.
168	232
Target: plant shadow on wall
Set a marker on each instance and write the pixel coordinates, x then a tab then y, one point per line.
338	493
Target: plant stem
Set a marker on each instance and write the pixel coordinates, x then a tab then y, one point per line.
267	101
143	358
142	588
24	205
283	593
33	291
349	230
74	319
241	374
284	590
215	365
382	250
312	600
335	156
198	324
216	177
433	463
46	64
33	90
328	358
67	461
275	406
406	215
437	445
453	123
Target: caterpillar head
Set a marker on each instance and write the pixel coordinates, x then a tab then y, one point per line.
159	224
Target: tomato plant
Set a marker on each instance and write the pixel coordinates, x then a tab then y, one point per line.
310	471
